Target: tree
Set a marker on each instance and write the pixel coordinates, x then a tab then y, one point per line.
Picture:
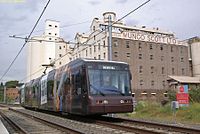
172	95
12	84
194	94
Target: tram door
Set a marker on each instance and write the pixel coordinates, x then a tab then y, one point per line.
79	97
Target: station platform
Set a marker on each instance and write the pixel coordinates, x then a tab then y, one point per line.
3	130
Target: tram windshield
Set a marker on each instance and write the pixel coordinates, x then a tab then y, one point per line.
112	82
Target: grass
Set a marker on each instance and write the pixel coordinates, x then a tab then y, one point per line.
154	111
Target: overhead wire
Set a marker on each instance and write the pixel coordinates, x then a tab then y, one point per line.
25	41
64	26
85	44
118	20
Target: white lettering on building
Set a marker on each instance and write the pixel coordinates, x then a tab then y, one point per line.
146	37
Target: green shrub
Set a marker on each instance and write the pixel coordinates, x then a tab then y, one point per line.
194	94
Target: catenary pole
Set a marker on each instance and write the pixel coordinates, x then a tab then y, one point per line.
110	38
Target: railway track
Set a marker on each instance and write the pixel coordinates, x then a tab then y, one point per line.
82	126
145	126
26	124
140	127
169	127
14	126
120	125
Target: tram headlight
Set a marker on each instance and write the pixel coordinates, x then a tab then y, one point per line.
101	101
105	102
121	101
125	101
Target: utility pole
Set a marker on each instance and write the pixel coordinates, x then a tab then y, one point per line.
4	96
110	38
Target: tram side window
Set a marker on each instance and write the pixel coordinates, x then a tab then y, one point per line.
78	83
50	85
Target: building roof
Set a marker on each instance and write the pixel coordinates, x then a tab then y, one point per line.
185	79
144	29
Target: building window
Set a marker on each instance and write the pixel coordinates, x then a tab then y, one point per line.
161	47
93	28
140	46
163	70
172	49
128	55
56	26
49	38
140	56
104	55
183	71
165	94
181	50
172	59
94	48
99	46
173	71
151	57
152	69
115	54
94	37
50	25
182	60
60	55
163	83
115	43
49	33
141	82
140	69
60	63
60	47
99	56
55	34
104	43
95	58
86	53
150	46
127	44
152	83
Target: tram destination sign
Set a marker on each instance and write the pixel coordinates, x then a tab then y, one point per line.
146	37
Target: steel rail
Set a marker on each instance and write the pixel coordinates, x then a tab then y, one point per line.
14	125
51	124
170	127
128	128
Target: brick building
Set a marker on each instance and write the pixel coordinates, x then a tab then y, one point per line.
12	94
152	54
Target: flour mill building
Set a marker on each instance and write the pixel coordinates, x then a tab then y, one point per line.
152	54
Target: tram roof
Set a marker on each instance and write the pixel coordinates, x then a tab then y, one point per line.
101	61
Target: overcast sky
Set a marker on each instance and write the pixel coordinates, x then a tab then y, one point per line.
17	17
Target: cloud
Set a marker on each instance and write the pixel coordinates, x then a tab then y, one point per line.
94	2
30	5
132	22
121	1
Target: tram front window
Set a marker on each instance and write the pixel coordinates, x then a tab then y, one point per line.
112	82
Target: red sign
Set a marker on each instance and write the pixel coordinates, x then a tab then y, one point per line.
182	98
181	89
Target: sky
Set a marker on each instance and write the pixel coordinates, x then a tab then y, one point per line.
17	17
